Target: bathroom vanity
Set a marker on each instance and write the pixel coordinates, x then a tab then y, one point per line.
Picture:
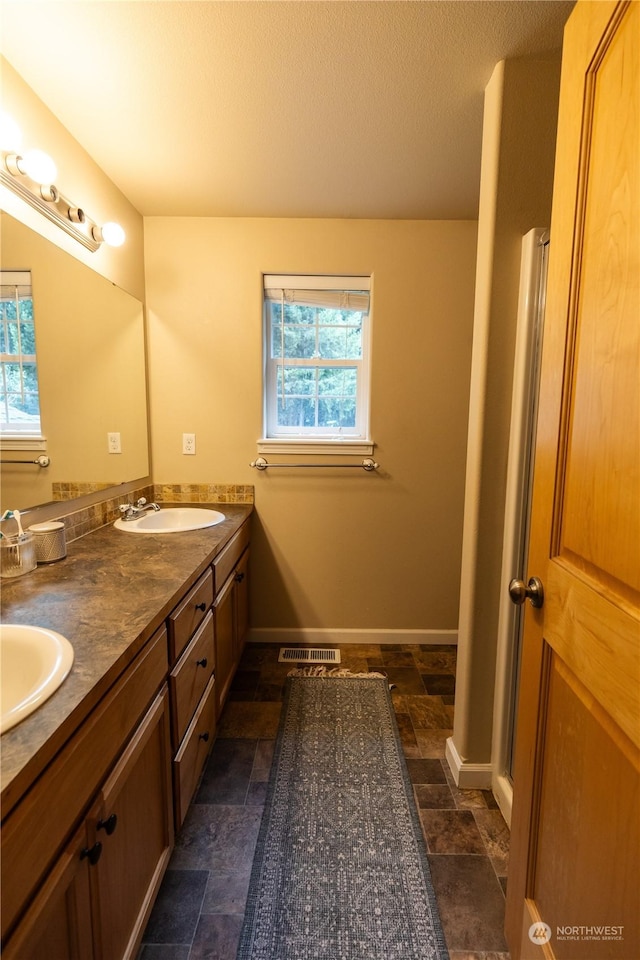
96	782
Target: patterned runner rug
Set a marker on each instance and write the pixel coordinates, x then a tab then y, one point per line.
340	871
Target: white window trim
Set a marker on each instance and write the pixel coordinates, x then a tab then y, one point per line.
15	442
313	447
347	443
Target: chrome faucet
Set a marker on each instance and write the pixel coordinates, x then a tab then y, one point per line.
132	511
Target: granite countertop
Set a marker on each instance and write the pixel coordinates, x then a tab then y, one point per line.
107	597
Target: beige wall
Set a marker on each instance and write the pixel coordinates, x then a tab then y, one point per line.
331	550
521	105
79	179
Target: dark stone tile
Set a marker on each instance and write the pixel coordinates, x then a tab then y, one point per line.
397	658
406	731
451	831
471	902
431	662
263	760
438	648
165	951
226	893
495	836
406	680
439	684
269	690
217	837
490	800
370	651
256	655
432	742
217	937
256	794
249	720
245	682
227	773
175	913
448	699
428	712
375	665
503	884
354	662
434	796
426	771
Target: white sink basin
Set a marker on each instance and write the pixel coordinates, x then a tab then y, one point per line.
172	520
34	662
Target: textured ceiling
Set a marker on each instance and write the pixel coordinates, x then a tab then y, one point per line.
291	109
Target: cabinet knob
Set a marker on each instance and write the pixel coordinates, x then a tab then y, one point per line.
204	736
201	663
239	577
201	606
109	824
92	854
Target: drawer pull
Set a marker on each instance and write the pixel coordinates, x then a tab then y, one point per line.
92	854
239	577
201	606
109	824
204	736
201	663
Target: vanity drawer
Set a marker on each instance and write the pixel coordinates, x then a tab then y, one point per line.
189	614
190	676
191	757
226	561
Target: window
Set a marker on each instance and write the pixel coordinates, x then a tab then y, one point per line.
19	400
316	357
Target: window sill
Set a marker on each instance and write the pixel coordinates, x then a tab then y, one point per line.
308	447
22	443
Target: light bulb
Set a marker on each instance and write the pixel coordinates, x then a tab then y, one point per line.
10	134
112	234
39	166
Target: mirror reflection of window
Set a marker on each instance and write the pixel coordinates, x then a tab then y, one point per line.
19	398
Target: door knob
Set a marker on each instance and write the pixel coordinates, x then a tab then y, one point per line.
519	591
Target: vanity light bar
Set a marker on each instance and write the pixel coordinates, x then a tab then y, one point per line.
30	176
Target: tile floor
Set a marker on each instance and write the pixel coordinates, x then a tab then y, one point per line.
199	911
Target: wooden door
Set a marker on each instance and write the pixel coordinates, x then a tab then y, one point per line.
574	891
133	819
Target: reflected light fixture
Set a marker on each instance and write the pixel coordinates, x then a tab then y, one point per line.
30	175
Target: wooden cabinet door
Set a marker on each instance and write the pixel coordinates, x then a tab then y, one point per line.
133	819
241	591
225	643
57	925
574	888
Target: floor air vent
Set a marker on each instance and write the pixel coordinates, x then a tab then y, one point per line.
304	655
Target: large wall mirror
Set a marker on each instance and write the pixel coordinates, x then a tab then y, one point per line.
89	338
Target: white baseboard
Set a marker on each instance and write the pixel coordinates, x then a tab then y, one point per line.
292	635
467	776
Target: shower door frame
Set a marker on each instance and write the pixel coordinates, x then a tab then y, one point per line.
524	406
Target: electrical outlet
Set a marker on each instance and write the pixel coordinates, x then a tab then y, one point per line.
189	443
113	443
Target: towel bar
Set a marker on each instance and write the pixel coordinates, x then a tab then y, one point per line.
367	464
40	461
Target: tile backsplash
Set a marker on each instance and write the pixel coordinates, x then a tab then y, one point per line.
80	522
